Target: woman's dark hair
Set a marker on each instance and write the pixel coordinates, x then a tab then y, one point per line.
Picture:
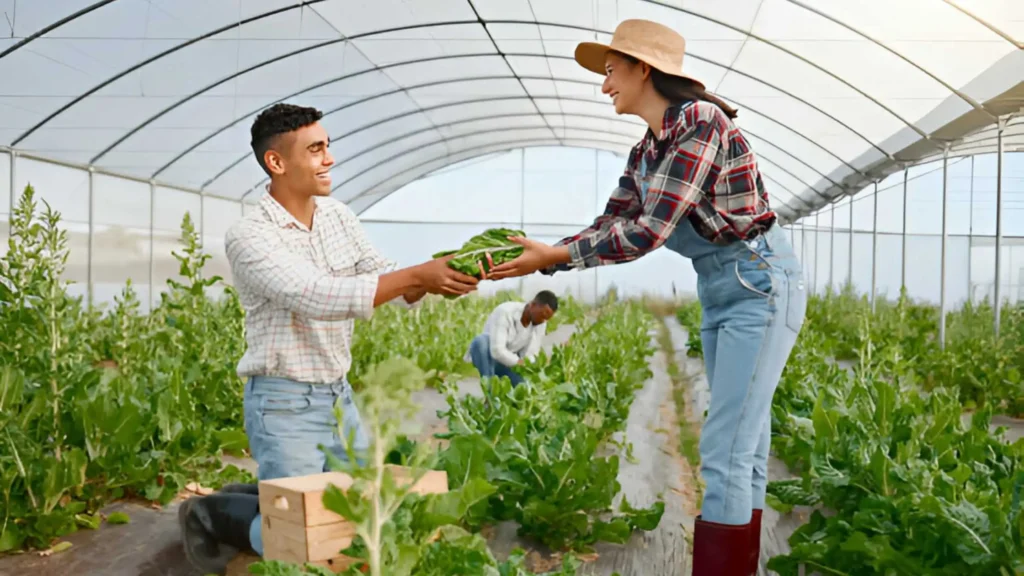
678	90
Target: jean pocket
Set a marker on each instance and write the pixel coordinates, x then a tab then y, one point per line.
796	304
756	276
284	404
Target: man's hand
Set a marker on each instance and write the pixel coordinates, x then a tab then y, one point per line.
414	296
436	277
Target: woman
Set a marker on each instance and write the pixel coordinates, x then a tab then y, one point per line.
692	185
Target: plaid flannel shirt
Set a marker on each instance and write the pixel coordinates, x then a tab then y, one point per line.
302	289
702	168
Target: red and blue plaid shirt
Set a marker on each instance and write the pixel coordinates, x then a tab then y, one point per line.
702	168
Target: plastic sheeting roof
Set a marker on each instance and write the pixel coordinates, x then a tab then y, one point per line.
833	93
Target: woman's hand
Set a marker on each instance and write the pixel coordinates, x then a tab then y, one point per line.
536	256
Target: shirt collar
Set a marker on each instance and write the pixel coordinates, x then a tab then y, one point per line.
277	213
668	123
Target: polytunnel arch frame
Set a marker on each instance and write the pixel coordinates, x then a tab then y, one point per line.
484	22
824	194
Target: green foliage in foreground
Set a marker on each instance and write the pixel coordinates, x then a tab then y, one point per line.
899	483
98	407
553	473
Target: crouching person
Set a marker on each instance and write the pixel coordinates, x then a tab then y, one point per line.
304	270
512	334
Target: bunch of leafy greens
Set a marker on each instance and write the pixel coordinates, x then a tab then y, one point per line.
493	241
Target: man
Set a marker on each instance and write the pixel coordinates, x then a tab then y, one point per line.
304	270
513	333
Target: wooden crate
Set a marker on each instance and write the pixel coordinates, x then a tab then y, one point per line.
296	526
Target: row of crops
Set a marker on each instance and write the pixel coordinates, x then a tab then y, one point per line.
99	405
102	405
889	435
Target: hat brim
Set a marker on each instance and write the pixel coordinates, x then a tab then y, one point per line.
591	55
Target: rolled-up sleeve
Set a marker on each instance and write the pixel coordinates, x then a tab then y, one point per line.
260	260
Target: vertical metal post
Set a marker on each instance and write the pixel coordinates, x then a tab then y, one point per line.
997	304
152	256
14	178
89	249
945	238
832	247
903	264
874	248
970	236
817	245
849	262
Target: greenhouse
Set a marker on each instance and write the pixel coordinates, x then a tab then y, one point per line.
888	139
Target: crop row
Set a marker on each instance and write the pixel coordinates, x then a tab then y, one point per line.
869	416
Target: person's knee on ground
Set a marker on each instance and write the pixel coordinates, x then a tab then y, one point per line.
215	528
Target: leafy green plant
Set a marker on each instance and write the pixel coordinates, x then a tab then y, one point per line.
551	475
473	253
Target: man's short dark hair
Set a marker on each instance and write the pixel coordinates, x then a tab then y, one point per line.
276	120
547	298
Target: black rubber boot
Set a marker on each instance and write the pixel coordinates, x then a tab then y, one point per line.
215	528
239	488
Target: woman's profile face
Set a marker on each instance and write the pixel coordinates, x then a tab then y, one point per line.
624	82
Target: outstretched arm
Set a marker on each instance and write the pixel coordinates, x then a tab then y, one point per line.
690	171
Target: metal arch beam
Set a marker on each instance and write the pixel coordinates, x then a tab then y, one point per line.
761	156
456	137
986	24
436	24
471	101
152	59
504	59
484	151
479	118
242	157
971	101
446	140
713	63
489	149
50	28
780	185
791	155
785	50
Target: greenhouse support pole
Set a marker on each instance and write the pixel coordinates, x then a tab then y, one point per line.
832	248
874	247
903	234
849	262
970	235
14	177
997	303
942	261
152	228
90	245
817	244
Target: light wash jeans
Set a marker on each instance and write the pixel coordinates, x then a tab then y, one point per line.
286	421
480	353
754	302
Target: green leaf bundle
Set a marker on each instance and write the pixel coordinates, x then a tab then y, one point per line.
493	241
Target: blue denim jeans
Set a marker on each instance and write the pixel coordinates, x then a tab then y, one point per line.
286	421
480	353
754	302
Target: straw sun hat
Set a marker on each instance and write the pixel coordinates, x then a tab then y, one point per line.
659	46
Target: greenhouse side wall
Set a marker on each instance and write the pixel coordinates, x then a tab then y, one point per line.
552	193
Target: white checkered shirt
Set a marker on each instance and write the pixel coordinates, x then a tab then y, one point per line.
302	289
